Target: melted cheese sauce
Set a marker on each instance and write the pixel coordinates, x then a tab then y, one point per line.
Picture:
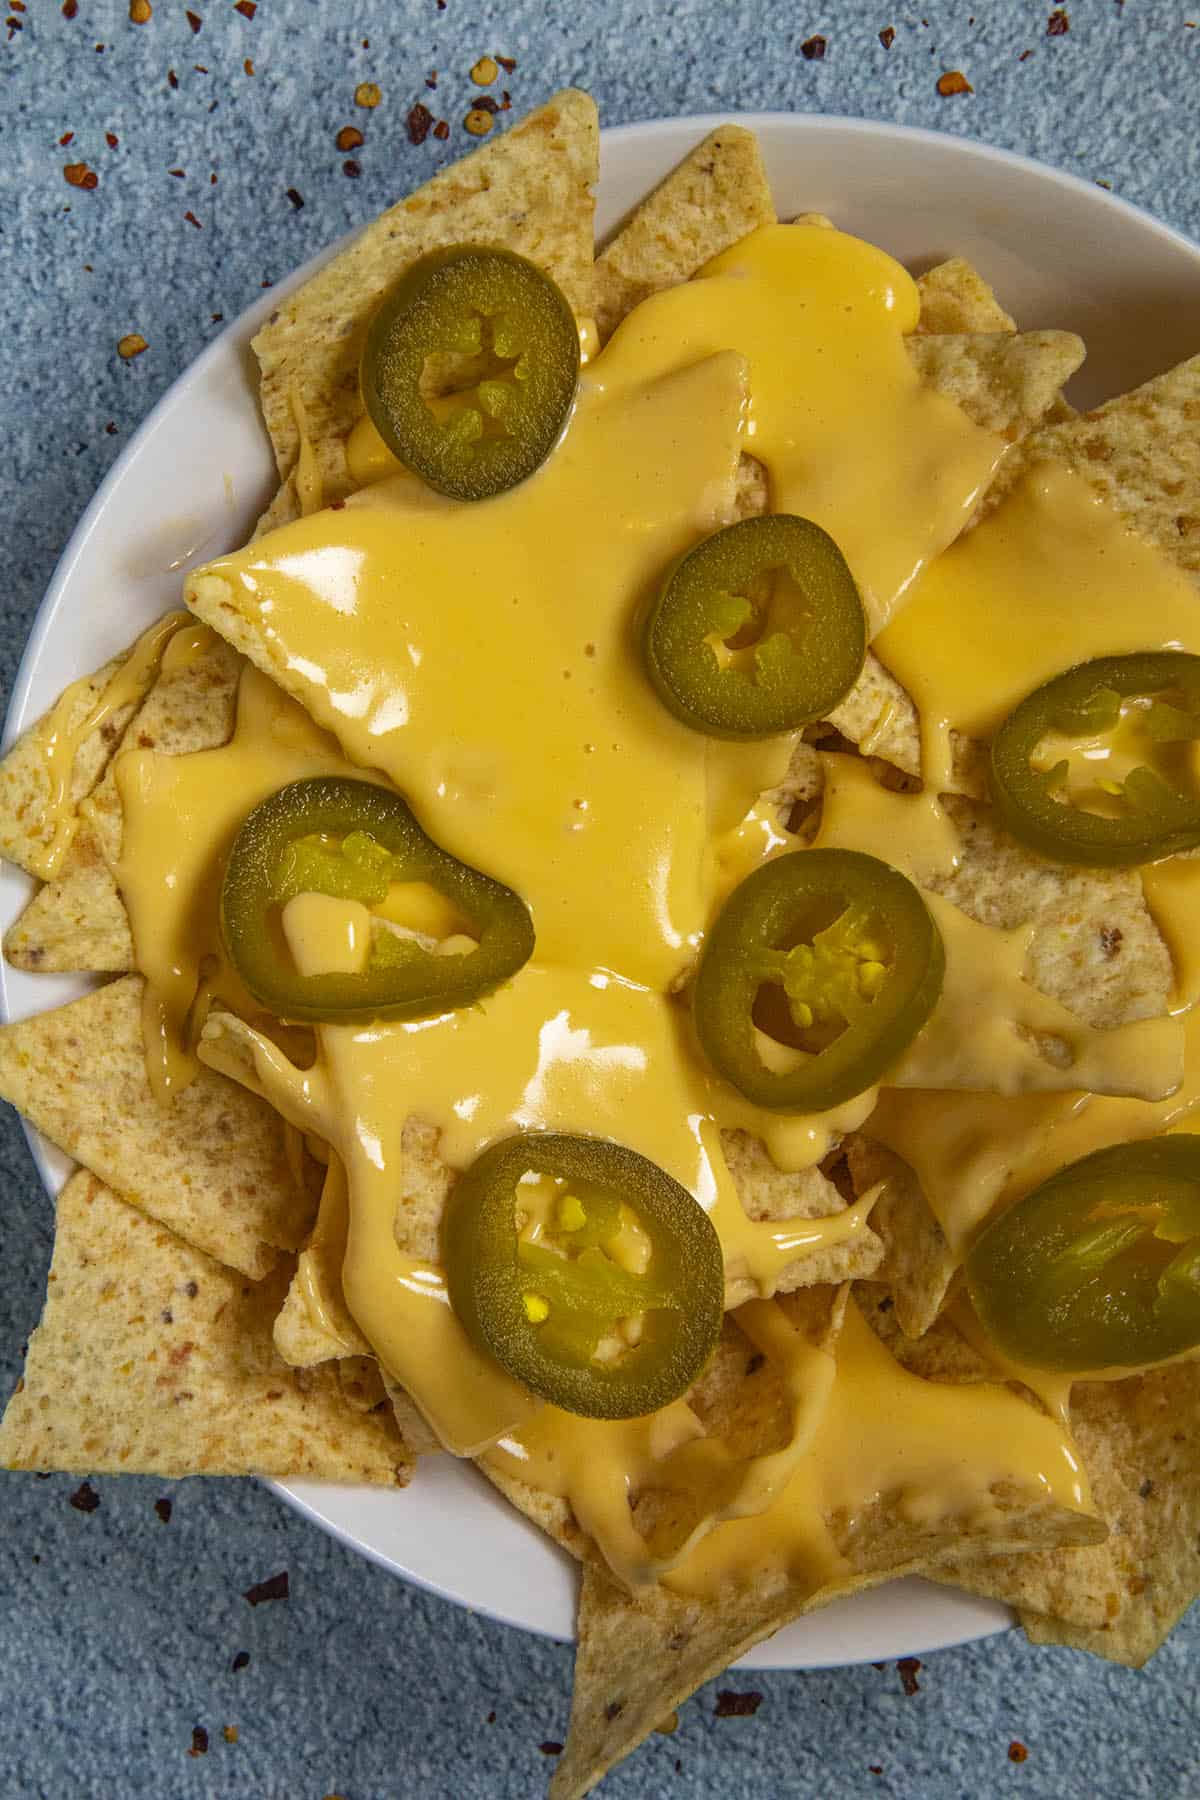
484	660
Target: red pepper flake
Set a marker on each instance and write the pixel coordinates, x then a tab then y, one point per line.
172	79
491	1718
348	138
248	65
65	139
14	25
193	220
908	1668
1059	23
247	8
240	1661
194	20
887	36
441	5
419	123
813	49
1017	1751
70	8
352	168
200	68
199	1741
178	173
550	1748
953	82
163	1509
505	100
874	1768
732	1705
485	103
296	198
1025	56
508	64
266	284
111	428
274	1588
441	131
111	139
85	1499
19	6
336	505
215	318
431	79
78	175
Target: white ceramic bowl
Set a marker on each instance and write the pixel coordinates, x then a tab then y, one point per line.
193	479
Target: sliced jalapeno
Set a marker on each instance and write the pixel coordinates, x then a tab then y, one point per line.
1145	813
1098	1268
556	1307
470	368
758	630
833	954
352	840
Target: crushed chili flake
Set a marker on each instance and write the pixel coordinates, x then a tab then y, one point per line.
274	1588
65	139
178	173
200	68
215	318
874	1768
1017	1751
1145	1491
111	428
368	94
908	1668
111	139
1025	56
508	64
441	5
487	104
199	1741
70	8
240	1661
78	175
85	1499
351	168
491	1718
139	11
887	36
732	1705
1059	22
478	121
348	138
505	100
549	1747
248	65
431	80
247	8
14	25
418	123
193	220
296	198
172	79
813	48
441	131
485	71
194	20
163	1509
229	1733
953	82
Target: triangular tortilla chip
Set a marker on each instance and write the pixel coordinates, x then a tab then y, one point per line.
315	1324
152	1358
24	784
1004	383
1141	454
717	195
918	1266
529	190
78	921
213	1165
955	297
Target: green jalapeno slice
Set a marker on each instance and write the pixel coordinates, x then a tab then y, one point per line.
1099	1268
819	971
352	840
758	630
470	368
1151	699
586	1271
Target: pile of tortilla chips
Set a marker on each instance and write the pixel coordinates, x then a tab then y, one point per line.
175	1338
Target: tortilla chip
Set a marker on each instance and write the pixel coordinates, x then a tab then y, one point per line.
955	297
917	1267
769	1193
213	1165
1141	454
529	190
152	1358
877	710
315	1324
1003	383
716	196
1138	1440
78	921
24	786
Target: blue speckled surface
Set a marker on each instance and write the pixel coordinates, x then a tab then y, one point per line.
117	1631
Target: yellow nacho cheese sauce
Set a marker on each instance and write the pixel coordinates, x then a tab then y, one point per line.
484	660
